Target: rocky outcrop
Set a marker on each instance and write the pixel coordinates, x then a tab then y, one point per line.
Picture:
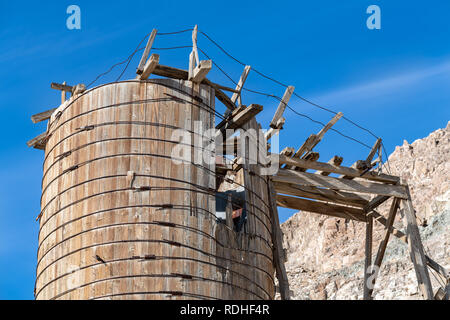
325	255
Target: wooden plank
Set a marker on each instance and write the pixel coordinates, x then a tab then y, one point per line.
321	208
365	165
274	131
201	71
314	139
416	248
148	47
240	117
368	257
229	212
335	161
193	56
38	142
312	156
277	239
308	179
321	194
64	94
288	151
61	87
240	85
149	67
175	73
282	106
329	125
42	116
383	245
171	72
301	163
374	150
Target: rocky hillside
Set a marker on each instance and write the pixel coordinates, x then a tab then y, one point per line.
325	255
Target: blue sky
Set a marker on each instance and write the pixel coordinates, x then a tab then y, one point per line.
394	81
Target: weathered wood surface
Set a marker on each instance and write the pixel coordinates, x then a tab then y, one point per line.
42	116
416	248
149	66
105	234
39	141
301	163
383	245
314	180
277	236
368	258
327	195
146	52
240	85
335	161
201	71
321	208
282	106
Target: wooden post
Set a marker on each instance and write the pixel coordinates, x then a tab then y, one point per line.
148	47
277	239
368	261
193	57
63	94
279	113
149	67
382	249
237	95
416	248
229	212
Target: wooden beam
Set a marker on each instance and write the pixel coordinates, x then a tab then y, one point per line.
314	139
363	165
383	245
273	131
64	94
61	87
416	248
314	180
149	67
335	161
39	141
148	47
240	85
288	151
329	125
277	239
229	212
305	147
280	110
374	151
314	165
321	208
193	57
201	71
327	195
240	117
175	73
312	156
42	116
368	259
224	88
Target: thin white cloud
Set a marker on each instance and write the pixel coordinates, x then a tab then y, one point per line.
393	83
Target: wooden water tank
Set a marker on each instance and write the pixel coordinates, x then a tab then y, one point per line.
121	220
